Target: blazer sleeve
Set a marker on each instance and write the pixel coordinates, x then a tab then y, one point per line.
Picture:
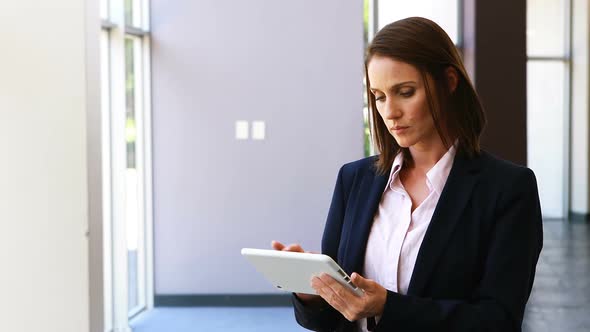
509	268
323	317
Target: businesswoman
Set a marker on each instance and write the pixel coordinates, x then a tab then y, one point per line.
440	235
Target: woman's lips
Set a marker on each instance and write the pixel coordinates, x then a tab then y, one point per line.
399	129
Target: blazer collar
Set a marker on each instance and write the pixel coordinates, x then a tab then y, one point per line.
450	206
452	201
370	192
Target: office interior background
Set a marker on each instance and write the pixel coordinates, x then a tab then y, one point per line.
144	143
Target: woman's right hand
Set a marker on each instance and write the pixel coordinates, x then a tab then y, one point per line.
305	298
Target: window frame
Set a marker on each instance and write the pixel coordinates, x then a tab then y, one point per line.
115	30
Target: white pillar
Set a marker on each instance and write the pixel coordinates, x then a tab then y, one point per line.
43	167
580	199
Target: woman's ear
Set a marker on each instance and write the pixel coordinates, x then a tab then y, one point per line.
452	78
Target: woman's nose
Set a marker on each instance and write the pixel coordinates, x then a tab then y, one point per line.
392	111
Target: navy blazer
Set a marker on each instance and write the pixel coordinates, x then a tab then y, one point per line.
476	265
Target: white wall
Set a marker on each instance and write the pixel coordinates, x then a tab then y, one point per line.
43	191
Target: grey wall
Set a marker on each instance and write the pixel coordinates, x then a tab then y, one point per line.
296	65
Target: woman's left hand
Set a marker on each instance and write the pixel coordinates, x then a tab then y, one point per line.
350	305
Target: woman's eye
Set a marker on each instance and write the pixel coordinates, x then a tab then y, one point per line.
407	93
379	98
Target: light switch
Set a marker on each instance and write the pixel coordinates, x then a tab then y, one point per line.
258	130
242	130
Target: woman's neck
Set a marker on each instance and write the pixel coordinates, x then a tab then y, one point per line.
424	157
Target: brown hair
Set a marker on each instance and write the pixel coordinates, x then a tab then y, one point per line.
457	115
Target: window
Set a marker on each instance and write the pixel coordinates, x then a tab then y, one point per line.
445	13
379	13
125	49
548	72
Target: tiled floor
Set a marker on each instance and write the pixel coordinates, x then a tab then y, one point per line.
560	300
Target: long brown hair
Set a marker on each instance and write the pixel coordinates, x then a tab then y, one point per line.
458	115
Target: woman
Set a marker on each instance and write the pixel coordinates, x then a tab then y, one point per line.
440	235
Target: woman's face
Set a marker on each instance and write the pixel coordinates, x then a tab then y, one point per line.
401	101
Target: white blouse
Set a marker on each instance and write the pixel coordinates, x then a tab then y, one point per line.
397	232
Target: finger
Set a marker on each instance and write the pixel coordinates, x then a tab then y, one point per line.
374	297
317	283
343	292
326	292
293	247
361	282
276	245
346	308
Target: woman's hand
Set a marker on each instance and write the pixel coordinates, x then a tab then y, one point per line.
281	247
305	298
350	305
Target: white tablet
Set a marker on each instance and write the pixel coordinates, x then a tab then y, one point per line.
293	271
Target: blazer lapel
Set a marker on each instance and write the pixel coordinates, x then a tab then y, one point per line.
370	193
451	204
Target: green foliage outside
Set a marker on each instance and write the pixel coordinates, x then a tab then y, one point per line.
367	134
